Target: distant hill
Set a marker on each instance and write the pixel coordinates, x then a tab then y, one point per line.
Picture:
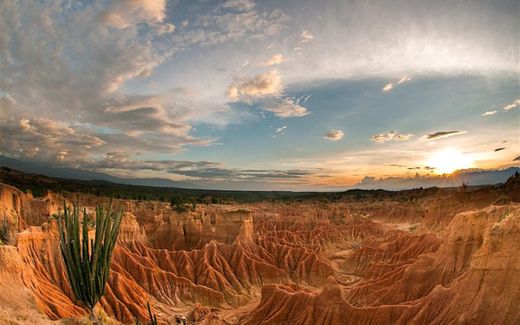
38	185
33	167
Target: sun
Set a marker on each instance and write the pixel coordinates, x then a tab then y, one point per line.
449	160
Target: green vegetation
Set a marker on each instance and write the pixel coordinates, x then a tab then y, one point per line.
88	262
151	316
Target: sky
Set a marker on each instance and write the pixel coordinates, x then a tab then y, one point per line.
267	95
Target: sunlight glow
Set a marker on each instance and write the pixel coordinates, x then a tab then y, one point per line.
449	160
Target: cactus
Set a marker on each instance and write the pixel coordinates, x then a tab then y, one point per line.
88	262
153	318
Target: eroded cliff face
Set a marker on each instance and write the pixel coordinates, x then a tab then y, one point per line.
279	263
471	278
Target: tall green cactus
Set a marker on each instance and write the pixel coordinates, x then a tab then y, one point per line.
151	315
153	318
88	262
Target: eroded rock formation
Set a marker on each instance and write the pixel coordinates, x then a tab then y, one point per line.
446	258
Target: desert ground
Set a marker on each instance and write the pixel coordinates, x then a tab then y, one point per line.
425	256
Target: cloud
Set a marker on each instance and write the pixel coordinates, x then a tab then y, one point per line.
391	136
64	71
203	174
403	80
500	149
512	105
74	75
139	114
334	135
268	88
443	134
306	36
45	139
388	87
517	158
240	5
208	170
285	108
471	176
122	161
52	141
165	29
7	106
6	99
397	165
265	84
274	60
428	168
280	131
488	113
435	38
231	21
243	174
124	13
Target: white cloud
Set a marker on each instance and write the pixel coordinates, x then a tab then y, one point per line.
265	84
285	108
165	29
391	136
334	135
403	80
280	131
58	73
512	105
124	13
388	87
274	60
306	36
438	38
488	113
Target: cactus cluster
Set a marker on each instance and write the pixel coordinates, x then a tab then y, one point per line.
88	261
